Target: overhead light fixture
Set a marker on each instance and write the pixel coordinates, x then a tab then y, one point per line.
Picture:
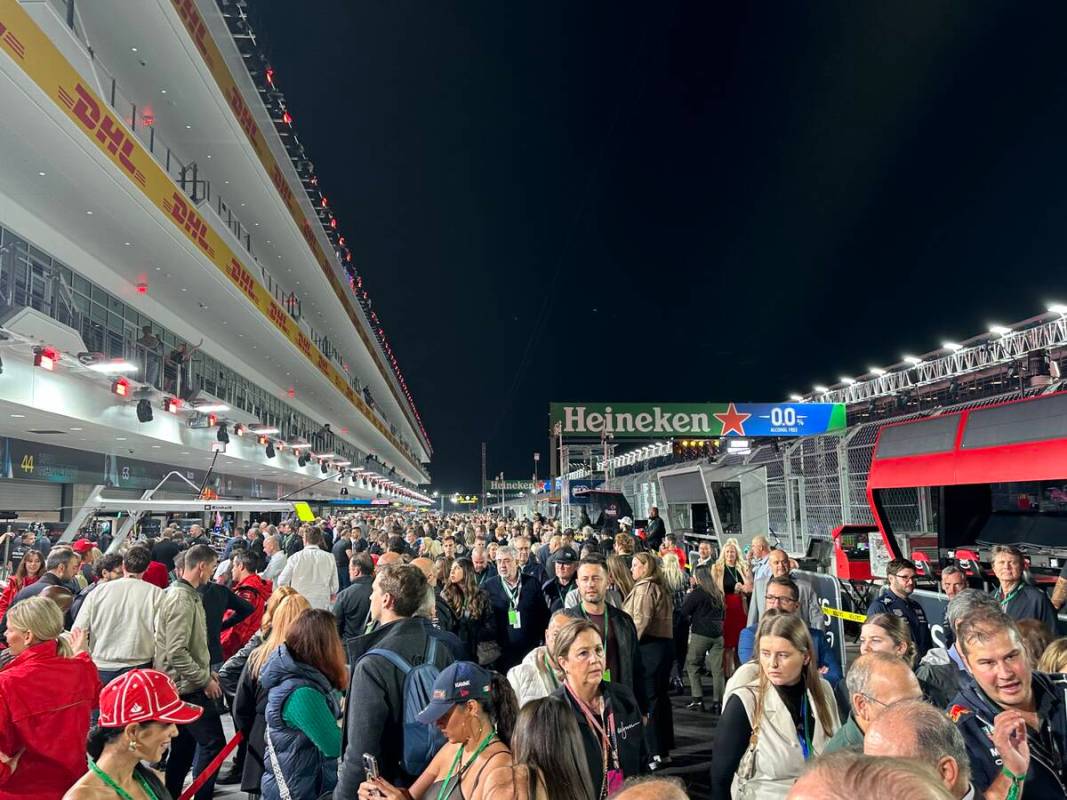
270	449
263	439
820	389
999	330
299	445
847	381
876	371
341	463
113	367
144	410
45	358
913	360
1058	308
121	387
264	429
797	398
953	346
171	404
207	408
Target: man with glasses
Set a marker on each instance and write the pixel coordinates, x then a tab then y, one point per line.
782	596
896	599
875	682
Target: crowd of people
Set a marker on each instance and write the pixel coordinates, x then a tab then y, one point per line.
406	656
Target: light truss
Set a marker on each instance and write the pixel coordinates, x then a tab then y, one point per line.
988	351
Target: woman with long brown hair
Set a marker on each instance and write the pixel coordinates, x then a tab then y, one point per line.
620	578
470	604
886	633
251	696
784	703
29	570
302	738
652	610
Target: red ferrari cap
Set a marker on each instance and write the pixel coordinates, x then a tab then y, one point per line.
82	546
144	695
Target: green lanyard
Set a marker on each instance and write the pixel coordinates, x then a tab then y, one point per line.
445	791
551	673
1011	596
513	597
118	789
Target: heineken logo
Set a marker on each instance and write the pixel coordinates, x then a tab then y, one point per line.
668	420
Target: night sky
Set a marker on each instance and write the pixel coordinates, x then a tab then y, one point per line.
676	201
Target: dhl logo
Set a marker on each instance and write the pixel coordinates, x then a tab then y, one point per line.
322	363
282	185
187	217
279	317
16	47
107	129
304	343
194	23
244	280
244	116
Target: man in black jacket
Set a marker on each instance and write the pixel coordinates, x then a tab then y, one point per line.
655	530
375	714
622	658
565	565
352	606
519	607
342	552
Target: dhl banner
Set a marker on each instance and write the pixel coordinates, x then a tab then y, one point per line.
42	62
216	64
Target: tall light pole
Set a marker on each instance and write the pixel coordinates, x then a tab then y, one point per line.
438	494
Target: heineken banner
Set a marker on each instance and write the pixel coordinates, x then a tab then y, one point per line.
667	420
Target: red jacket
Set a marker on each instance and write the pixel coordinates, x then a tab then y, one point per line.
14	586
45	702
257	592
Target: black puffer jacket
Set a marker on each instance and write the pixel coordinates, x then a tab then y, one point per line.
375	706
704	612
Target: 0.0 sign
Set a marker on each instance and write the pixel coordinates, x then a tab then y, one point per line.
783	417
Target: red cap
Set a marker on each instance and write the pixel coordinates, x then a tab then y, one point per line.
82	546
144	695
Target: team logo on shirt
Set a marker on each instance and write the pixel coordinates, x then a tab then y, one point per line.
958	711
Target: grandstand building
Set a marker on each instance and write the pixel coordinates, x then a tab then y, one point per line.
176	292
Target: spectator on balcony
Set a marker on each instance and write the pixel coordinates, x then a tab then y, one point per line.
150	348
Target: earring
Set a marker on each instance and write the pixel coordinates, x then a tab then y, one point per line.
133	746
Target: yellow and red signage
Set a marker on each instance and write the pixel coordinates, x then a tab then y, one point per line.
45	65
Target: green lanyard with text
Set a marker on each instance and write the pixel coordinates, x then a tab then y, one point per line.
607	636
118	789
1011	596
445	791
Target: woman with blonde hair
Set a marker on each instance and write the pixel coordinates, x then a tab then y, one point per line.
230	675
785	702
676	582
1054	659
47	692
887	633
652	610
249	704
732	575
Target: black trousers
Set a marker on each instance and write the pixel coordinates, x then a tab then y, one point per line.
194	746
657	656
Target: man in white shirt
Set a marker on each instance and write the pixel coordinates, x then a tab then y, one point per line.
118	618
312	571
272	548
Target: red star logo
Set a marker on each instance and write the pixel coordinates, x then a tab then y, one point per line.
732	421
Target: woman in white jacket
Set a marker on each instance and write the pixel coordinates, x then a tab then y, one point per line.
778	718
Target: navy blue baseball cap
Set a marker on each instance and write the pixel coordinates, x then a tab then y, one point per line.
457	683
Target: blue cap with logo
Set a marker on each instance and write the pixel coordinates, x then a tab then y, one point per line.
457	683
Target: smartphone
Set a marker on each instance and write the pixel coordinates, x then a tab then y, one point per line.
370	766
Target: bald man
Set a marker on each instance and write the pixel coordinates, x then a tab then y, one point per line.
653	789
385	559
848	775
915	729
875	681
